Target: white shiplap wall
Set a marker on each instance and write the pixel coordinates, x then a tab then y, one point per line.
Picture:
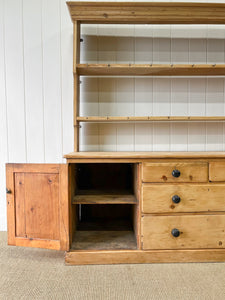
36	86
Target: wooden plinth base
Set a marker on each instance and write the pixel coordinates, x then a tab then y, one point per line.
102	257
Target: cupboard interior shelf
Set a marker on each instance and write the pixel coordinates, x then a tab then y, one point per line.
104	240
150	118
104	197
150	69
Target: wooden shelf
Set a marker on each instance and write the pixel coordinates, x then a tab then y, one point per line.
102	197
147	12
104	240
155	119
140	155
150	70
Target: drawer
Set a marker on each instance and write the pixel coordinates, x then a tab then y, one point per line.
217	171
195	231
182	198
175	172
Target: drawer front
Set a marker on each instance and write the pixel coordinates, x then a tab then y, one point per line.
157	198
195	231
175	172
217	171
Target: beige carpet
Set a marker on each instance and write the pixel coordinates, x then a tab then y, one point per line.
41	274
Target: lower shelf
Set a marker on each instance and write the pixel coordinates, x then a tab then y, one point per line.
104	197
104	240
104	227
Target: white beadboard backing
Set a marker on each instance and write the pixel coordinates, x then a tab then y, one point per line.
36	86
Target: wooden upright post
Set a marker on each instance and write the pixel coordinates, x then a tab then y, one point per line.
76	102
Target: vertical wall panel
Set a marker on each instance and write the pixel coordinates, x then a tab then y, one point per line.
143	93
161	96
197	136
197	54
215	44
51	81
179	44
179	96
179	136
106	44
89	137
197	96
14	78
143	44
143	139
214	107
197	88
89	43
215	87
179	88
3	98
179	107
125	44
107	97
125	88
3	123
33	68
161	136
89	96
161	44
215	136
125	137
215	96
107	137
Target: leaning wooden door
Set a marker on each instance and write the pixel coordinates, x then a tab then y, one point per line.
37	205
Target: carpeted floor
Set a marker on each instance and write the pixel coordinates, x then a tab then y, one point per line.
41	274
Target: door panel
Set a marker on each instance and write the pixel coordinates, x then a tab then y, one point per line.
38	205
19	204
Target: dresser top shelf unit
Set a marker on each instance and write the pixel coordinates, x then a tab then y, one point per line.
147	12
140	13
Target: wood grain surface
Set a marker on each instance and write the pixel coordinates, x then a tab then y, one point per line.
147	12
196	232
157	198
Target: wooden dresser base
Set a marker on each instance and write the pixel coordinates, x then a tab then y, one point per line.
141	257
158	228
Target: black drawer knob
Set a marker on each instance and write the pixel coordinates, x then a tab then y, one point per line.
176	199
176	173
175	232
8	191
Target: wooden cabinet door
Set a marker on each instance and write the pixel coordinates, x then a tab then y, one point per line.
37	205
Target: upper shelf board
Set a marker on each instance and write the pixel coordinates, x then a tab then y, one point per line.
147	12
151	70
150	118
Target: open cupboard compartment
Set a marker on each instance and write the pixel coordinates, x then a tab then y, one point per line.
104	206
104	183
